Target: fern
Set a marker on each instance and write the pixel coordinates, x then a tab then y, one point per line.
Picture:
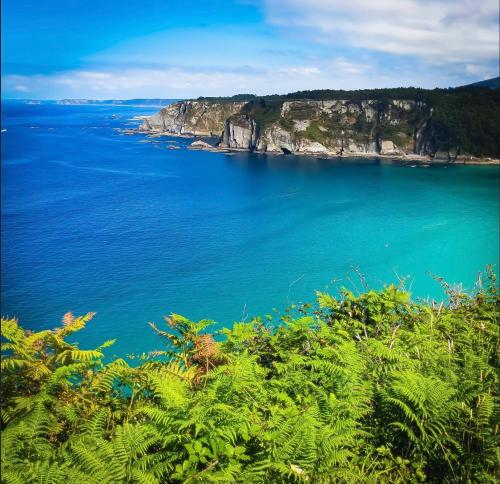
368	387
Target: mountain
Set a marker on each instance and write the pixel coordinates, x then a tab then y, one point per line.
493	83
438	123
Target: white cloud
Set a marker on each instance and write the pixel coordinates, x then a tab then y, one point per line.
337	72
302	71
181	82
480	70
343	66
434	30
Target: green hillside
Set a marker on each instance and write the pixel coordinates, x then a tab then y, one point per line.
465	120
493	83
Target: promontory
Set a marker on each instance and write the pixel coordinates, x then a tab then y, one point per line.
447	124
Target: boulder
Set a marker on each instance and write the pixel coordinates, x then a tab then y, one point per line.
199	145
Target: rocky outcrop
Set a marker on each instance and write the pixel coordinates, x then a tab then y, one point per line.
398	127
194	118
277	139
200	145
240	132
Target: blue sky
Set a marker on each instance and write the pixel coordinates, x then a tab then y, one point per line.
174	49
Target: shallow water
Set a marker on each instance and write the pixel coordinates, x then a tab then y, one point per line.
94	220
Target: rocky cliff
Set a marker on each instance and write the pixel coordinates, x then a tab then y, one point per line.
192	118
337	127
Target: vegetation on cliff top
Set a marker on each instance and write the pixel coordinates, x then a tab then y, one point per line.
363	388
465	119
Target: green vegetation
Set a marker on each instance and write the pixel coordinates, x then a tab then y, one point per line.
493	83
302	111
362	388
387	131
469	119
313	133
264	112
287	123
465	118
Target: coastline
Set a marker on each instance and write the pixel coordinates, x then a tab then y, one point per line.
411	158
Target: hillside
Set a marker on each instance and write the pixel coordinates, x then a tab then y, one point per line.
493	83
440	123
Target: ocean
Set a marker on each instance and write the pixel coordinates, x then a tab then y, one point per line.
95	220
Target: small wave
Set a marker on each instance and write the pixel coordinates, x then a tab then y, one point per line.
112	171
17	161
435	225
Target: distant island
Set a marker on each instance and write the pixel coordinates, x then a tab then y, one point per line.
456	125
106	102
119	102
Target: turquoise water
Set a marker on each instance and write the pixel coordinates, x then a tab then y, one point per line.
97	221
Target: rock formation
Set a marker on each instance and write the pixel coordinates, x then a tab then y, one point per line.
200	145
192	118
338	127
240	132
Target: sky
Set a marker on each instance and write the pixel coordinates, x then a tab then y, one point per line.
117	49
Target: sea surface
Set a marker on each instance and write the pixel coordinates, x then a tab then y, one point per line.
95	220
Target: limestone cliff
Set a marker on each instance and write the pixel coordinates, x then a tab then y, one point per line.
337	127
192	118
240	132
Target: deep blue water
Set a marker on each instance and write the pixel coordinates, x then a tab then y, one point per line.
93	220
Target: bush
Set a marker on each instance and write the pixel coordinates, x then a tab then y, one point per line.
359	388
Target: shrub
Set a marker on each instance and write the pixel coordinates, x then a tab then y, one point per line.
358	388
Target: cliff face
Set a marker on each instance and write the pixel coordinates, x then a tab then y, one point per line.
240	132
396	127
192	118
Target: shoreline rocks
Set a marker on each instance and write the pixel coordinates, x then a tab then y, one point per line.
200	145
398	129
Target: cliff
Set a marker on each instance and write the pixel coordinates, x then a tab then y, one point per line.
392	127
193	118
